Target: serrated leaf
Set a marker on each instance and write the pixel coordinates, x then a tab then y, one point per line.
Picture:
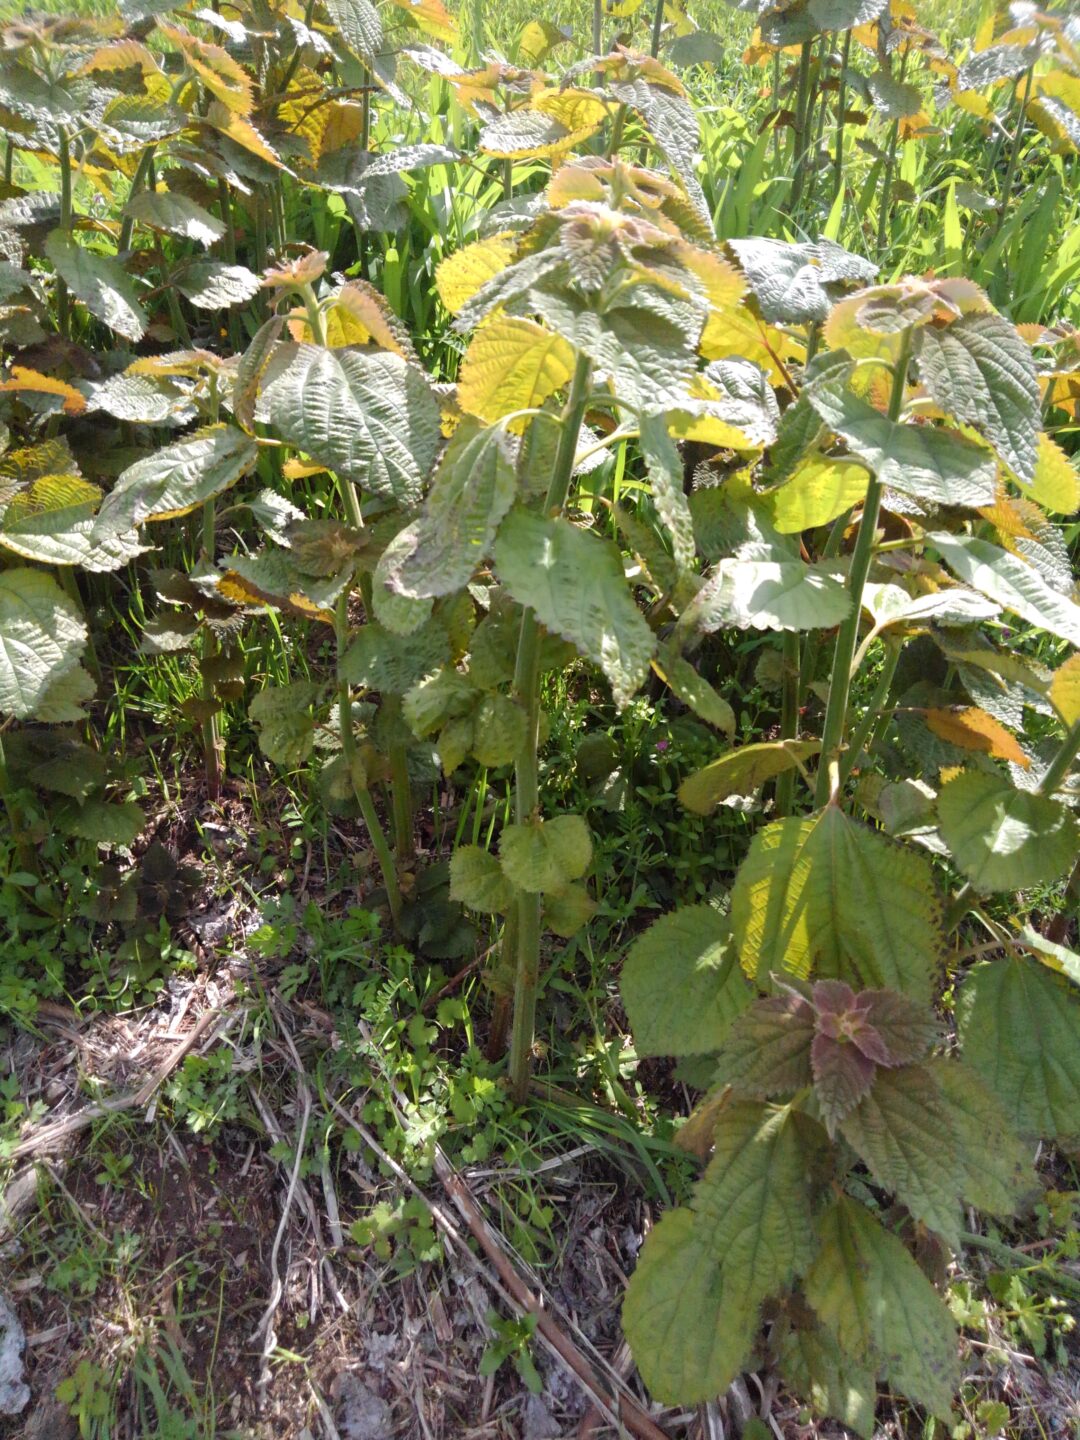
42	636
814	1367
752	1205
530	134
545	855
64	701
818	490
1003	838
107	823
767	595
1055	484
100	282
894	99
923	461
881	1308
461	275
270	577
477	881
472	489
681	983
767	1050
899	1131
370	417
512	364
980	371
501	729
22	380
380	660
177	479
282	716
574	582
1065	690
437	698
742	772
665	469
175	214
689	1339
212	285
973	729
827	894
791	281
1012	582
1019	1029
995	1166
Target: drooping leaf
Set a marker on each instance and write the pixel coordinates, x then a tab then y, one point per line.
177	479
1065	690
109	823
980	371
1019	1029
881	1308
995	1167
1010	581
473	488
380	660
694	690
574	582
923	461
1056	482
175	214
212	285
42	636
100	282
829	895
681	983
973	729
501	730
814	1366
567	911
742	772
795	283
371	417
1003	838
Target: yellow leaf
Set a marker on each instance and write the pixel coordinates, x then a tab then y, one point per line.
344	124
119	55
296	469
241	130
1065	690
187	363
462	274
973	729
1055	484
356	315
22	379
1060	85
816	493
432	17
241	591
579	110
510	365
537	40
215	67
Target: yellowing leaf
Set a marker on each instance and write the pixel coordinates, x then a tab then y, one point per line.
1065	690
817	492
432	17
462	274
1055	483
22	379
973	729
215	67
511	365
578	110
241	130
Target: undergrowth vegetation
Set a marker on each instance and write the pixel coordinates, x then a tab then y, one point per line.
568	525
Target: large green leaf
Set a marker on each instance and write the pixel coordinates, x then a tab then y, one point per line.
477	881
767	1050
283	718
767	595
881	1308
923	461
380	660
1020	1029
689	1338
545	855
818	490
827	894
795	284
52	521
473	488
212	285
1003	838
665	467
1010	581
42	636
979	370
100	282
176	214
370	416
177	479
816	1369
995	1170
681	984
687	685
754	1204
574	582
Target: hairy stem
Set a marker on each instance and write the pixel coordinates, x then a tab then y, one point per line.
377	835
840	681
867	725
526	770
841	106
802	96
1014	152
400	786
789	718
138	180
1062	762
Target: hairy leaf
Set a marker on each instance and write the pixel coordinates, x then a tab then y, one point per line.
545	855
478	881
1003	838
100	282
687	685
177	479
742	772
767	595
42	636
767	1050
512	364
817	491
1010	581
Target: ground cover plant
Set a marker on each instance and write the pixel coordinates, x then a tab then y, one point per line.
539	714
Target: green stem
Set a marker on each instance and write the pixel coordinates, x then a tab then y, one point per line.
789	719
886	185
176	315
24	852
526	770
369	814
597	18
9	160
840	681
225	202
138	180
213	744
1062	762
802	95
617	132
400	786
657	28
866	726
63	302
1014	152
838	160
